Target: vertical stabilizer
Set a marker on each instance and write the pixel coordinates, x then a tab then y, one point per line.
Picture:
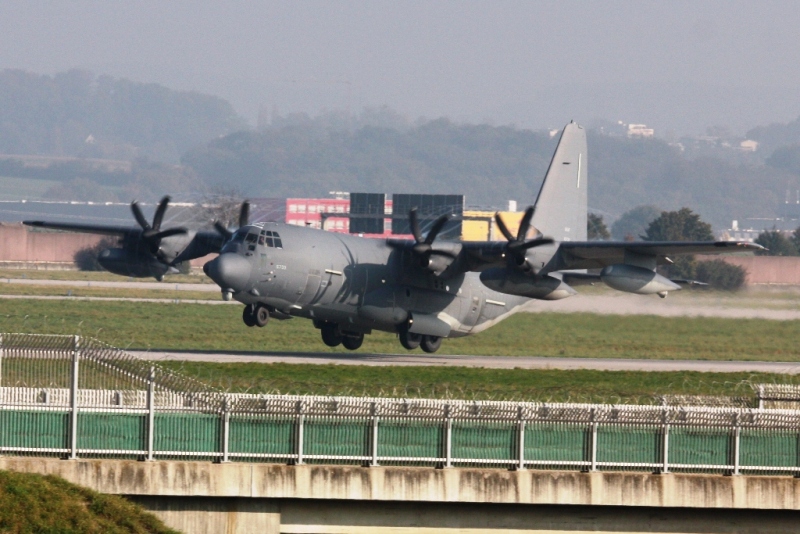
562	203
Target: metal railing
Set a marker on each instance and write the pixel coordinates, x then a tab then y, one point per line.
72	397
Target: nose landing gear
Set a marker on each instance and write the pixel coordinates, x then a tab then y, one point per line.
255	315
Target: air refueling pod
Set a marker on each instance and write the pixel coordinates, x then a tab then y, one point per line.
126	262
633	279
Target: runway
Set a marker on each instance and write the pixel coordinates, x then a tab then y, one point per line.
487	362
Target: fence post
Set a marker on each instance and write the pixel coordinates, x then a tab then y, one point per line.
448	438
73	399
300	423
374	435
151	412
736	438
760	397
521	454
1	359
594	446
226	428
665	467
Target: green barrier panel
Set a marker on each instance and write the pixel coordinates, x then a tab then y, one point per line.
773	448
557	442
629	444
125	432
700	446
261	435
41	430
411	439
337	437
187	432
484	440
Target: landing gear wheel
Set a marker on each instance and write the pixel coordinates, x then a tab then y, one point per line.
410	341
430	344
261	316
330	335
248	316
353	342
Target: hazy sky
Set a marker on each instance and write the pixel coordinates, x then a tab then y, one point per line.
678	66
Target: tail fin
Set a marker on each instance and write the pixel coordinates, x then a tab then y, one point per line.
562	204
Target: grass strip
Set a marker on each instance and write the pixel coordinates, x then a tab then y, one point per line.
187	326
542	385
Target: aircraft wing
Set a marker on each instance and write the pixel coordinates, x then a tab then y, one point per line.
85	228
598	254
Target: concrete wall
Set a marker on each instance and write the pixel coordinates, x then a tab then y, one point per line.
316	498
19	245
765	269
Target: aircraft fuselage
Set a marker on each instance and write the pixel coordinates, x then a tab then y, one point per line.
355	283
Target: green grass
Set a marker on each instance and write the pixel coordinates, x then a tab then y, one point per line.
168	292
101	276
48	504
220	328
543	385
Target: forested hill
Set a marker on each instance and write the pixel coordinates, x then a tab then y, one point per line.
488	164
77	113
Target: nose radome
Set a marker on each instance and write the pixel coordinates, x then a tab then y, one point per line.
229	271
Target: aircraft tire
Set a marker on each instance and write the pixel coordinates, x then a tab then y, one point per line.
330	336
410	341
261	316
353	342
430	344
248	316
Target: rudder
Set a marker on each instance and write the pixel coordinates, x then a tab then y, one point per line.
562	205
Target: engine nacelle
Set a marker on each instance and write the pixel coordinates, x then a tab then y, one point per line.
514	282
131	263
634	279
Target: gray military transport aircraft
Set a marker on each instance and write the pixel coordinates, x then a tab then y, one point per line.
422	289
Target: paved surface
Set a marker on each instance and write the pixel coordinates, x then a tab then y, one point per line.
489	362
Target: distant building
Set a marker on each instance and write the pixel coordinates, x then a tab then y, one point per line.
748	145
640	130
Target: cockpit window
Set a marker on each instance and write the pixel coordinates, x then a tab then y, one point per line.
270	239
252	238
239	237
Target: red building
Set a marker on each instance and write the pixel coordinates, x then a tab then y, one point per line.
309	212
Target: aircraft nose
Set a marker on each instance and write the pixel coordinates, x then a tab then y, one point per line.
229	271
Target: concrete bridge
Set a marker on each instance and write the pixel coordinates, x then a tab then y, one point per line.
197	497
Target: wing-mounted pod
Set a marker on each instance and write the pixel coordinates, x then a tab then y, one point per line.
127	262
516	282
637	275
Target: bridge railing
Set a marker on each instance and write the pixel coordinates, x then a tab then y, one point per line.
111	405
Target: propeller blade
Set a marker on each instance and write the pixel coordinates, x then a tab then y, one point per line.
538	242
167	233
224	232
436	228
139	216
525	224
244	214
160	210
502	226
414	223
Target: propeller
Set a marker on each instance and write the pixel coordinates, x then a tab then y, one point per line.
424	247
244	219
152	234
517	244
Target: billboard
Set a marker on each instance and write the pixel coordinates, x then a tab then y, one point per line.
429	208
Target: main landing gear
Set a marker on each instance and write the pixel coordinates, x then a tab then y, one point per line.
333	337
255	315
411	341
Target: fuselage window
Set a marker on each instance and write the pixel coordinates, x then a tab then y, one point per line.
277	238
